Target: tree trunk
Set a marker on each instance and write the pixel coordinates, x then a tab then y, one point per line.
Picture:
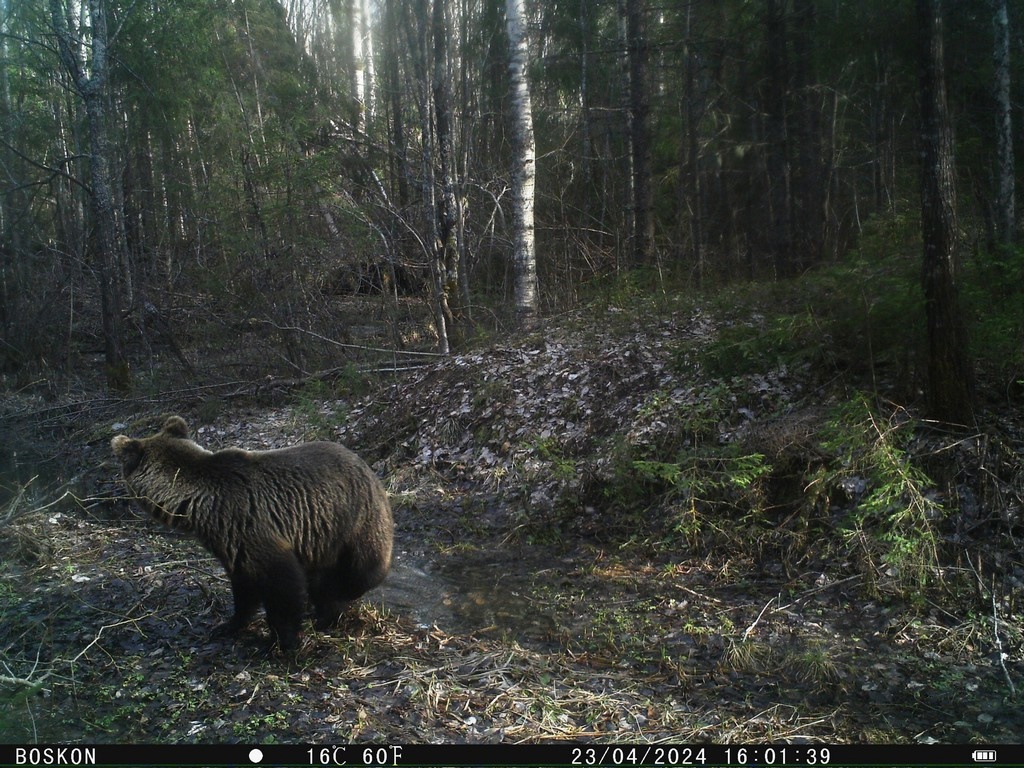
420	40
1005	213
690	189
882	124
364	61
524	260
776	159
447	213
586	130
398	156
464	157
807	208
11	207
638	110
949	369
109	228
357	14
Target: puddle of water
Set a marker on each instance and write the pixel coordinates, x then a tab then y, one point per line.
460	596
26	476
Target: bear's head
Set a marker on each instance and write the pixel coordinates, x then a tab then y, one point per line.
162	471
131	452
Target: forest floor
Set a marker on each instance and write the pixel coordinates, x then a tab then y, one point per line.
572	564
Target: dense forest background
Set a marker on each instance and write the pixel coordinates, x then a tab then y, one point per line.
293	182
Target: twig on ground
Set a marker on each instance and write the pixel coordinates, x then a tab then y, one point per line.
999	644
750	629
1001	655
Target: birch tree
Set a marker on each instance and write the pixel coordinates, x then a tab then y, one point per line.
363	72
524	260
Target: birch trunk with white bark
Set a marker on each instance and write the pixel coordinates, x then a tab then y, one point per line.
524	260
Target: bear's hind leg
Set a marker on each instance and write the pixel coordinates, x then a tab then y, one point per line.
328	611
342	585
326	606
353	576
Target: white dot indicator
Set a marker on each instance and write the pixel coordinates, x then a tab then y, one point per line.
256	756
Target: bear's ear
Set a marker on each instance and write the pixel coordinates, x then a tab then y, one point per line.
128	451
121	444
175	426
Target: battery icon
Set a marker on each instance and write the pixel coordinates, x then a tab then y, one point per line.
984	755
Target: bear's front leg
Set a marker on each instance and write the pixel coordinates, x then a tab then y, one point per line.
247	600
283	590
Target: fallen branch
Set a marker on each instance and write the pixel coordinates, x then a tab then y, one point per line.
29	682
26	681
345	345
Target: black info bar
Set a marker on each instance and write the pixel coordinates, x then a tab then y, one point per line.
524	755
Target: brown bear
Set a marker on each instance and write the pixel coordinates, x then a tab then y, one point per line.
311	521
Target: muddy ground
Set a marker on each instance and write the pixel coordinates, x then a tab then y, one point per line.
528	602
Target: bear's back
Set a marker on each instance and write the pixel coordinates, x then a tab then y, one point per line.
317	462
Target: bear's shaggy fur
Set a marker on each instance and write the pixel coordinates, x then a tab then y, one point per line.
312	521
